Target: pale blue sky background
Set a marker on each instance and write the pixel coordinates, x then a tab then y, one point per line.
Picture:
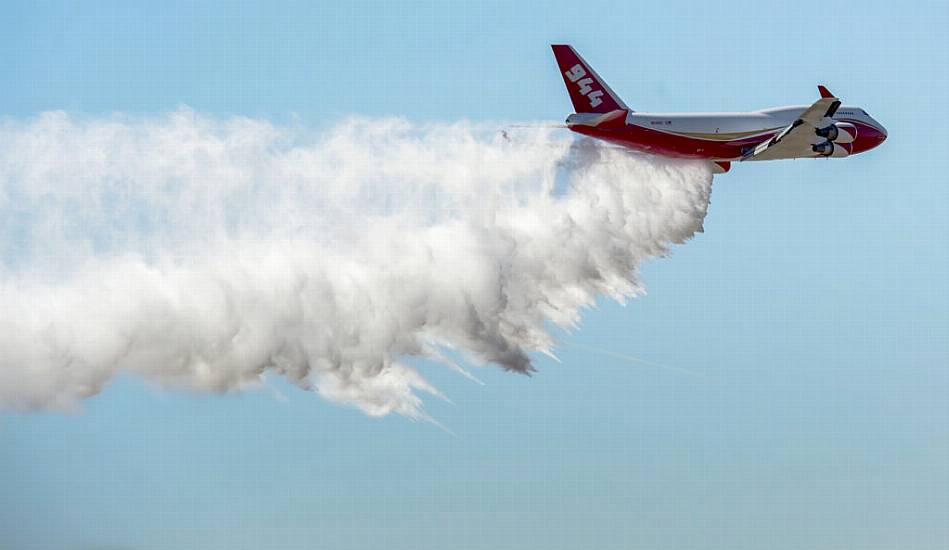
815	303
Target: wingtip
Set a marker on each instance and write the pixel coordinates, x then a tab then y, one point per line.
824	92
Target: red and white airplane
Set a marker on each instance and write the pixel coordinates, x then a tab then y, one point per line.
824	129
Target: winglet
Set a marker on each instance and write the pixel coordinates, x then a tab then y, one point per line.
824	92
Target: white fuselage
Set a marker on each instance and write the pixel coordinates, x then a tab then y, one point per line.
748	123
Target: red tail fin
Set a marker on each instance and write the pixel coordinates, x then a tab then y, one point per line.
588	92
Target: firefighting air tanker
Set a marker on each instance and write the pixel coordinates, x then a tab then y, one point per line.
823	129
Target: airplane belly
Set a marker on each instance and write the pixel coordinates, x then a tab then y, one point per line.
719	136
668	143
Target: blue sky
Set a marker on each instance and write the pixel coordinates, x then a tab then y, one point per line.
814	305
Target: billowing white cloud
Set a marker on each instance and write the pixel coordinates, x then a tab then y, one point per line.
202	253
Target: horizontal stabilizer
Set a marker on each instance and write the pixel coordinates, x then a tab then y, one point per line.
612	119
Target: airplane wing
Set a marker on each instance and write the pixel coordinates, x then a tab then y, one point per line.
796	140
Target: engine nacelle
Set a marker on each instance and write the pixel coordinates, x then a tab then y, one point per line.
831	149
841	132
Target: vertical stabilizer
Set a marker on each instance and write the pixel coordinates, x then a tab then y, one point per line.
588	92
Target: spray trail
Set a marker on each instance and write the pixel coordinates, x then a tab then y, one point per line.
201	253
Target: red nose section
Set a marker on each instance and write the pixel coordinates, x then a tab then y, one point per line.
868	137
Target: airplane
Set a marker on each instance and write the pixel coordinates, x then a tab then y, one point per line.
825	129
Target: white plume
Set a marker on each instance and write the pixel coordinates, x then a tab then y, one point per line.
202	253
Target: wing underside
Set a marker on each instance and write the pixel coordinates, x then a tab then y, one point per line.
799	138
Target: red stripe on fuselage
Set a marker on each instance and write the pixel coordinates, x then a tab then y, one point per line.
673	145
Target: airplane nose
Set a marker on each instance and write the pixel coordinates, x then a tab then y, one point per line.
868	137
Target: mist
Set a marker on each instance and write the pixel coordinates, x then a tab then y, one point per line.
204	253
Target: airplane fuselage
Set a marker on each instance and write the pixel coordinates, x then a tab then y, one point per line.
719	136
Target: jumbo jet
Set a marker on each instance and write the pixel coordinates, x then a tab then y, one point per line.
823	129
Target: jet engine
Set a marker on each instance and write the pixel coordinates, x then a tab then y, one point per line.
840	132
830	149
